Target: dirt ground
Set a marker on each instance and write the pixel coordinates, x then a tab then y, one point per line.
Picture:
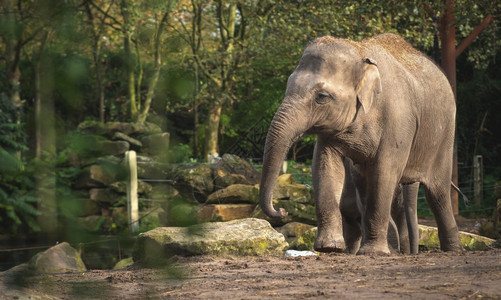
427	275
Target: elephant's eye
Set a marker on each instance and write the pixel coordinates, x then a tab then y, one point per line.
322	97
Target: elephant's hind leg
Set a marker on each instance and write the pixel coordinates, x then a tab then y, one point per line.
439	200
352	233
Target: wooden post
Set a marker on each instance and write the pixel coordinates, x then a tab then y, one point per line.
132	201
478	181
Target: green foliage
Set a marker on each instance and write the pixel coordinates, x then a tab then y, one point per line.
179	153
17	201
301	171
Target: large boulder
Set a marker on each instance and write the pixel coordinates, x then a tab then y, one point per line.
224	212
238	237
236	193
60	258
235	165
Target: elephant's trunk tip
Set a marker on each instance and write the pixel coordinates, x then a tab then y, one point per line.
270	211
280	213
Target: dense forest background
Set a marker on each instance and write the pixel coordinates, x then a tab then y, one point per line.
208	72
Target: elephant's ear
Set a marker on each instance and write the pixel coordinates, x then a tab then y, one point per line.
370	84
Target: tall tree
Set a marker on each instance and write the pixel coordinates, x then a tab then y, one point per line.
161	21
217	39
97	23
126	9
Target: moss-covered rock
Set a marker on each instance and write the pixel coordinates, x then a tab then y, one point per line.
238	237
287	189
223	179
293	230
135	144
305	241
194	181
428	238
235	165
121	187
224	212
100	175
236	193
126	262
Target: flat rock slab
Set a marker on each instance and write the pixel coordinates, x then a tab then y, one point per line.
238	237
428	238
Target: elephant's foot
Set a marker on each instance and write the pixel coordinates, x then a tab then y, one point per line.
329	246
452	246
374	249
326	241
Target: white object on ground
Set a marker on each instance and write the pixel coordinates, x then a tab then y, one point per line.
296	253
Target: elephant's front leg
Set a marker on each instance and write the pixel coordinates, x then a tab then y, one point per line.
380	191
328	179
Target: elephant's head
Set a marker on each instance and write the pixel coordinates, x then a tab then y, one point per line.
331	85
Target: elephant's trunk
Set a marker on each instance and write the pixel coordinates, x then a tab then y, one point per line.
284	130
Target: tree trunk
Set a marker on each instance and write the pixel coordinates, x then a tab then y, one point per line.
158	65
96	50
129	59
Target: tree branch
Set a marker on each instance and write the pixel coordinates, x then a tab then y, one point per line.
469	39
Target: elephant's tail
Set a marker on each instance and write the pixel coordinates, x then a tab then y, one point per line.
466	201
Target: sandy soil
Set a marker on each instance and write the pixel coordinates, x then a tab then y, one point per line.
429	275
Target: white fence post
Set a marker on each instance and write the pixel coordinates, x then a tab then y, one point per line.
132	201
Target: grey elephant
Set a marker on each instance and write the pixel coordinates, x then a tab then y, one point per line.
386	107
